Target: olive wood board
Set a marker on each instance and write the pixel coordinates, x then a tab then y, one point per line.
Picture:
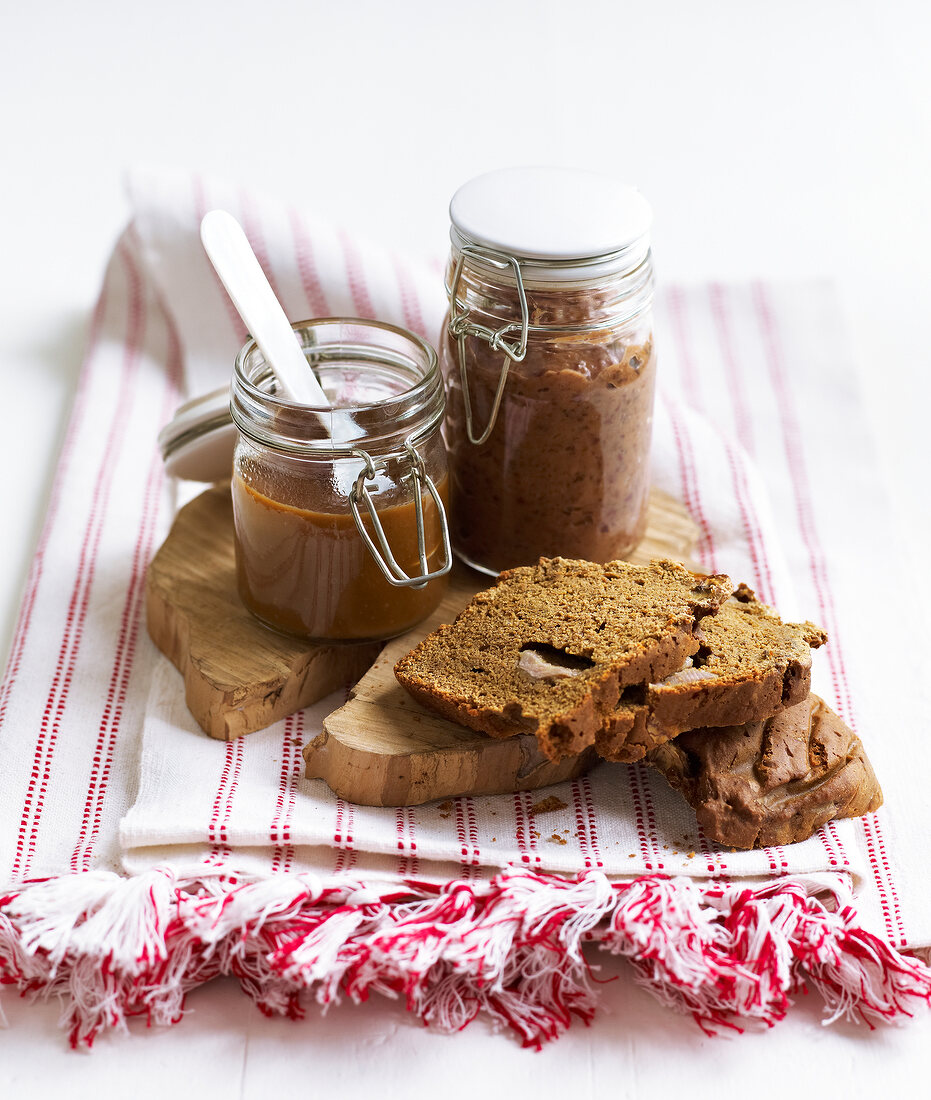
382	748
239	676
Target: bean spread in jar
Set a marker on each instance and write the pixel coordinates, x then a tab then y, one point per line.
340	513
560	304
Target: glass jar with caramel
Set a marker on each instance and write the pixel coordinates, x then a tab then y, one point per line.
340	512
550	364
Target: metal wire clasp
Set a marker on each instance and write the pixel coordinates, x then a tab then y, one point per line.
460	326
382	554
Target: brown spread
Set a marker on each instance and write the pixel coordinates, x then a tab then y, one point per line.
303	567
565	470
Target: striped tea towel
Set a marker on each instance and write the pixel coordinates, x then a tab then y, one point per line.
144	858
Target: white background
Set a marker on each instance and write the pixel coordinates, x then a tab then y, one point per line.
783	141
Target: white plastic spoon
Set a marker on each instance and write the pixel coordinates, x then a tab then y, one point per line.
240	272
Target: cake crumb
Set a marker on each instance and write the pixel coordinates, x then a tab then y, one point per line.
557	839
548	805
447	805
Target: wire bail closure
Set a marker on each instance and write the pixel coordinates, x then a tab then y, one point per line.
384	558
460	326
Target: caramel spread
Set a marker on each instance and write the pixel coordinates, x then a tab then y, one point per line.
304	569
565	470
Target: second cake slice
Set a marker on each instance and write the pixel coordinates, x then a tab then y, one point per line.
750	665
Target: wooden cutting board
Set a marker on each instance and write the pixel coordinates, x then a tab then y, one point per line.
381	748
384	749
239	676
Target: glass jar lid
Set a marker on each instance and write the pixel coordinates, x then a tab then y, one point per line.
198	443
563	223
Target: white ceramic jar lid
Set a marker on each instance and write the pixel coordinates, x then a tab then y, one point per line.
198	443
557	214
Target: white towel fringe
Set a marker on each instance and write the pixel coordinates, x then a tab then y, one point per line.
114	947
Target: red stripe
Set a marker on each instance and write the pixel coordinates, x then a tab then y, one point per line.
533	833
350	839
307	268
403	863
644	818
689	372
283	774
238	754
346	854
882	875
834	846
56	702
588	808
338	834
410	305
354	270
752	534
63	467
289	852
202	206
252	227
793	443
735	376
279	833
464	854
715	861
521	827
408	863
223	803
756	547
473	831
762	573
222	788
109	726
581	824
690	491
412	840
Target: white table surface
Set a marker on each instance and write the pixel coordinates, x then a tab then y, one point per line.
786	144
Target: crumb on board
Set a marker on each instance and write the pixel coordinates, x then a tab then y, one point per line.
555	838
548	805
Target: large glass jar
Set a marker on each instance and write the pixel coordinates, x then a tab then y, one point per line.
341	531
550	364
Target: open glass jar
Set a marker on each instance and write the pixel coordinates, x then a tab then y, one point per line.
549	357
340	513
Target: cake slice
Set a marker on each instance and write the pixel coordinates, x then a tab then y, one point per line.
749	666
771	782
549	648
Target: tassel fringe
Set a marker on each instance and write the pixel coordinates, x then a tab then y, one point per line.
512	949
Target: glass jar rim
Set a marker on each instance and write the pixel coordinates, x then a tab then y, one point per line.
251	346
258	411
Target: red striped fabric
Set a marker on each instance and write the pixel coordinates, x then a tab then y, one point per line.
244	806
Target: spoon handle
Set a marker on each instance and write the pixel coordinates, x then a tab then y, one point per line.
232	257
